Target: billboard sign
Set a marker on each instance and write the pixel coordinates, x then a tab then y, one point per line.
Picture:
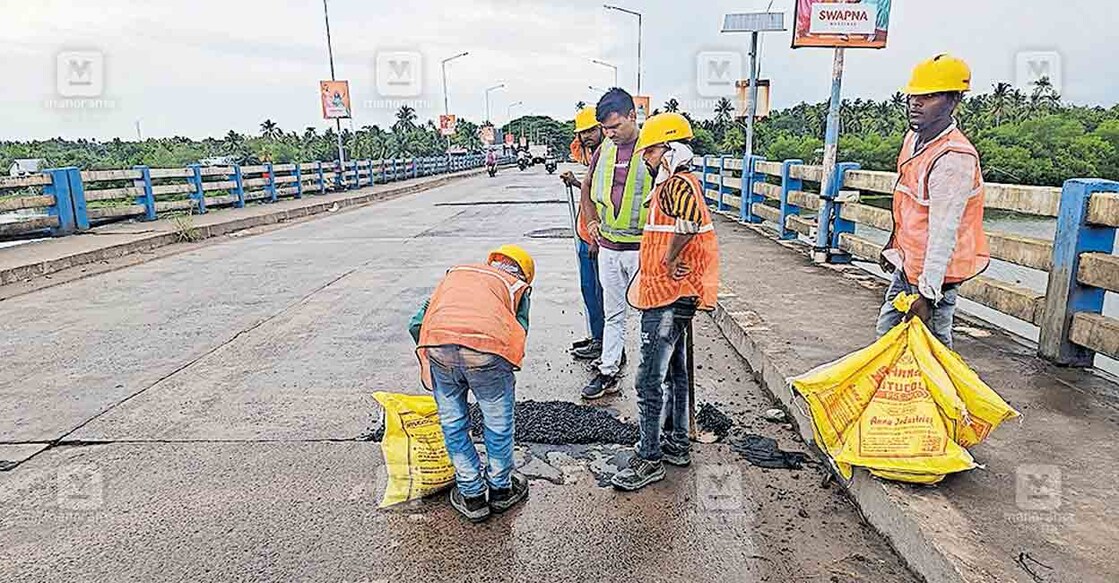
841	24
447	124
509	139
335	99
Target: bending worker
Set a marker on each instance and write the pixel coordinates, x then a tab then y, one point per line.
588	136
938	240
678	274
612	199
470	336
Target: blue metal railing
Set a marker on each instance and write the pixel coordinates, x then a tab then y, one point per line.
1081	264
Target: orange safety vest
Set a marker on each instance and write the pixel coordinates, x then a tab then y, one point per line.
911	211
653	287
474	306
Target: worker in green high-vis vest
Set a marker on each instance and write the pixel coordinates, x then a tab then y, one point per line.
614	197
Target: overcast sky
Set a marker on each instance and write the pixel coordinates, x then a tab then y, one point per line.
202	67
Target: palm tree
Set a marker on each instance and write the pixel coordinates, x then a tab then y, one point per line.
724	109
672	105
999	98
269	129
405	119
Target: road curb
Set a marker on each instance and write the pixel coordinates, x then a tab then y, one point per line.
883	505
24	273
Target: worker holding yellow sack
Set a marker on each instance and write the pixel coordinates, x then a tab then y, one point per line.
937	241
471	336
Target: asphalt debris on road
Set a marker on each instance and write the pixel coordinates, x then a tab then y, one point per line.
763	452
711	419
562	423
549	422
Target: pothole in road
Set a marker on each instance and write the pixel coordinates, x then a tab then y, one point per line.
500	202
550	233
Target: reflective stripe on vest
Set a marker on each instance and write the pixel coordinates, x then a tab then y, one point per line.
620	225
910	235
474	307
653	287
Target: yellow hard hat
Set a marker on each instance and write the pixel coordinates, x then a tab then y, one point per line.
585	119
940	73
663	128
519	256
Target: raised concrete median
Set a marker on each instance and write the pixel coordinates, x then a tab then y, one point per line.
22	263
1043	507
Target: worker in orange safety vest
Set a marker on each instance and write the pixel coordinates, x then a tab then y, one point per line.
588	136
470	337
937	241
678	273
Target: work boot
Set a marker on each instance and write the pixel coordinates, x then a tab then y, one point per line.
502	499
588	351
638	474
581	343
473	508
597	362
601	385
675	456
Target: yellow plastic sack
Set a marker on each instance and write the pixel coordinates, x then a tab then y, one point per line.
904	407
415	454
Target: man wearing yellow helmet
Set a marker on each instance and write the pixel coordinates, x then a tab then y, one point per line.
678	273
470	337
937	240
588	136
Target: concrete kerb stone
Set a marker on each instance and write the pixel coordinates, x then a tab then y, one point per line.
883	510
157	240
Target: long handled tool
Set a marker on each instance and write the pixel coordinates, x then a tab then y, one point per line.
690	349
575	239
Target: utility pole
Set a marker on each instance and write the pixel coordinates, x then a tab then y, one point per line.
330	52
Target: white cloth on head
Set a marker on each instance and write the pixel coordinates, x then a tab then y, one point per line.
678	154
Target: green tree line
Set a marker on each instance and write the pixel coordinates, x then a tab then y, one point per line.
1022	138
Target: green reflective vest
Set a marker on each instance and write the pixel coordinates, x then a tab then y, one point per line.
624	224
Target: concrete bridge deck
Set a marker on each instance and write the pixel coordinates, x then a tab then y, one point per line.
203	416
202	412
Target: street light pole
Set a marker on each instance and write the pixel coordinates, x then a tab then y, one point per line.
488	89
330	52
446	108
605	64
638	15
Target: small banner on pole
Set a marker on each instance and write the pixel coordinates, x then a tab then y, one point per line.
509	139
839	24
641	103
447	124
486	134
335	99
743	87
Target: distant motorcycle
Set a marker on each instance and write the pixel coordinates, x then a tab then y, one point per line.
550	164
522	163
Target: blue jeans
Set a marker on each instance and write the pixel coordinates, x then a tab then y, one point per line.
662	380
454	371
592	289
943	312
